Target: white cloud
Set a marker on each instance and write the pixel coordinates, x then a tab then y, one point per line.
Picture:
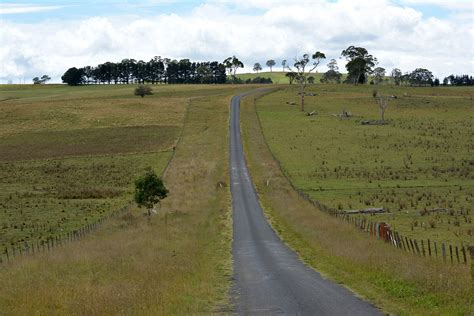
13	8
448	4
398	36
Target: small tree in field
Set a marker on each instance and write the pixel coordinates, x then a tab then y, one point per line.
142	90
149	191
383	105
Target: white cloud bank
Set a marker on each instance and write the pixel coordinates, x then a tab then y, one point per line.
14	8
398	36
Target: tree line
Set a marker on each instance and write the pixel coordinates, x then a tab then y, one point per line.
361	69
157	70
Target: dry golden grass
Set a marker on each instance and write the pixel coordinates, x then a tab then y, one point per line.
179	262
397	282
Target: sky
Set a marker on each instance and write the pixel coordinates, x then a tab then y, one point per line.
40	37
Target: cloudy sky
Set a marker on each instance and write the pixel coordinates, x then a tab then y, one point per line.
47	37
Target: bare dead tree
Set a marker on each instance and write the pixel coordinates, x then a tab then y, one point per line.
383	105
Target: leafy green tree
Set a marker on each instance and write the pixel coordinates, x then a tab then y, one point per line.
420	76
283	64
332	65
232	64
270	64
360	64
43	79
257	67
149	191
396	76
142	90
331	76
379	75
291	76
73	76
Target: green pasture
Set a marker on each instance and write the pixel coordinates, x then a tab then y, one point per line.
418	167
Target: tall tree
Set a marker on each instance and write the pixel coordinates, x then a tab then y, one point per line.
332	75
304	66
332	65
291	76
73	76
270	64
257	67
396	75
379	75
420	76
283	64
233	63
360	64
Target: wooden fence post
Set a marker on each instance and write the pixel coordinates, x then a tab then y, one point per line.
464	254
457	254
471	254
436	249
417	248
443	249
429	247
451	253
423	247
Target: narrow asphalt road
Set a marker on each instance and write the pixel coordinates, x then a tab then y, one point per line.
269	277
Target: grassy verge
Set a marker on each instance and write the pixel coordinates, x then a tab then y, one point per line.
395	281
179	262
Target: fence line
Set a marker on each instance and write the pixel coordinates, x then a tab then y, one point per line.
378	230
31	248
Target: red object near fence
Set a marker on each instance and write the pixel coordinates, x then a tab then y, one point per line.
384	230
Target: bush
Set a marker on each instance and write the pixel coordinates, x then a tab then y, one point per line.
142	90
259	80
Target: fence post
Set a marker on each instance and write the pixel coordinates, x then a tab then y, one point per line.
464	254
457	254
471	254
417	248
443	249
436	249
423	247
429	247
451	253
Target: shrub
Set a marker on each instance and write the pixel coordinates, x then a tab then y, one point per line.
142	90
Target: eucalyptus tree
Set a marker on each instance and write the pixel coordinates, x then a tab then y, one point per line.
257	67
379	75
283	64
360	64
232	64
270	63
396	75
303	67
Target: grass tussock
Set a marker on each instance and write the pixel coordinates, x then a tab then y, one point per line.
397	282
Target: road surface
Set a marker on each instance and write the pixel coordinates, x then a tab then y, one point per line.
269	277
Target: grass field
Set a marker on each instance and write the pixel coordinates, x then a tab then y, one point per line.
176	263
397	282
418	167
69	156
